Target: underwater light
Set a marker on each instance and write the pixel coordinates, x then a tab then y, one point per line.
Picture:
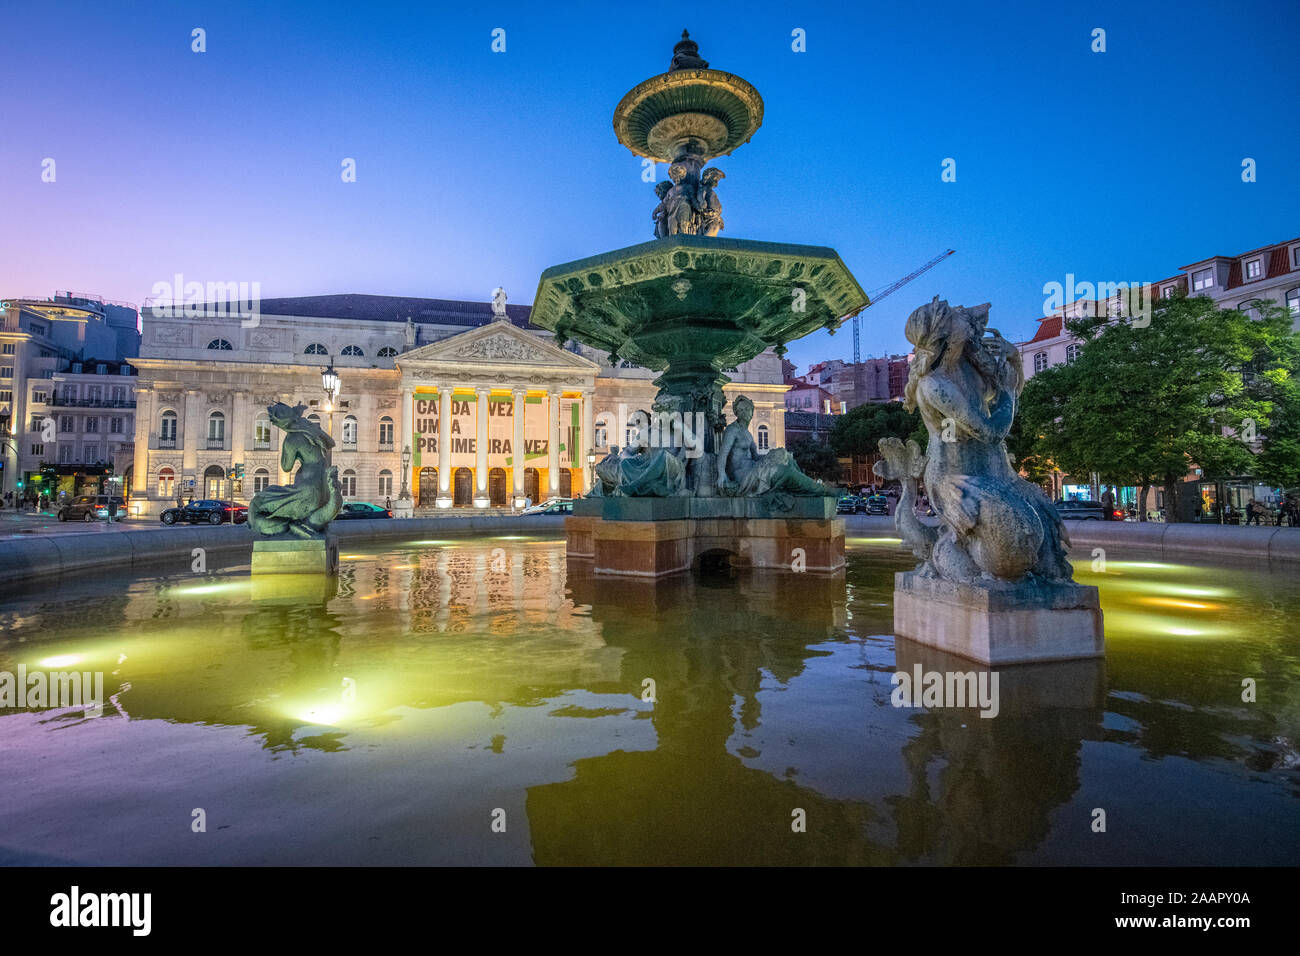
61	661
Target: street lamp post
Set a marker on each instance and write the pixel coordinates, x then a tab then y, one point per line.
329	380
591	470
406	464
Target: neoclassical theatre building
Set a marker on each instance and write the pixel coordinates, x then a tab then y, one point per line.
492	412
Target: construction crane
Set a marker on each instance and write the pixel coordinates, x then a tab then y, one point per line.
889	290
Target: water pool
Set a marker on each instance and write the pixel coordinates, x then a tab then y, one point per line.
477	701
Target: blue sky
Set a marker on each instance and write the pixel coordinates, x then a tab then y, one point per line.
477	168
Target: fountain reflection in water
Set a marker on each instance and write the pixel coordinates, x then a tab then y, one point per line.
385	724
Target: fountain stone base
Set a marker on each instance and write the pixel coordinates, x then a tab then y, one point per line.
654	537
296	556
1010	624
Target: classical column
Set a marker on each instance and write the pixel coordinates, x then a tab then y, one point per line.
588	442
553	442
444	446
520	398
191	436
140	477
481	499
406	426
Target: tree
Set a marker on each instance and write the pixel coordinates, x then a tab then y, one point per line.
815	459
859	431
1141	405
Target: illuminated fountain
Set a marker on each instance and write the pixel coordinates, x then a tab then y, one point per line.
689	304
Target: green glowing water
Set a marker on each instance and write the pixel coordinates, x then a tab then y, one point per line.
451	684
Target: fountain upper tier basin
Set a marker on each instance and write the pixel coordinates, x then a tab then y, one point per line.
697	299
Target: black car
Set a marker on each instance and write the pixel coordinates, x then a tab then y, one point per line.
848	505
877	505
1080	509
362	509
207	511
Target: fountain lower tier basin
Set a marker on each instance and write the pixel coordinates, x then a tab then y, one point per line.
999	626
655	537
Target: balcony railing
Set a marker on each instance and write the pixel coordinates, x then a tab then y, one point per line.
166	442
59	401
216	444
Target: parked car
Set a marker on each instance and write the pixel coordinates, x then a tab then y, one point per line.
206	511
1079	509
362	509
90	507
556	506
848	505
877	505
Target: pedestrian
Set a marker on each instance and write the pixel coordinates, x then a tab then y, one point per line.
388	504
1253	508
1108	504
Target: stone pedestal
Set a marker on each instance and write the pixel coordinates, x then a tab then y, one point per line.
999	625
404	508
653	537
296	556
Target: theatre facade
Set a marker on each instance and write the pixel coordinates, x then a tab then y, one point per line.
465	404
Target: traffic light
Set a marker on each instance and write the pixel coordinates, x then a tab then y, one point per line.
20	484
239	471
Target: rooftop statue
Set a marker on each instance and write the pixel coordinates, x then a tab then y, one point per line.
305	508
994	526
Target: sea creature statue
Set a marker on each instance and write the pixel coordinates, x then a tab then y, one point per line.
744	473
995	528
305	508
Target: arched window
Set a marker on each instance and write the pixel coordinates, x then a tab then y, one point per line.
166	483
387	352
385	482
219	345
762	438
262	433
1071	353
600	434
167	427
354	351
316	349
1040	361
216	430
385	434
349	483
314	418
261	478
350	432
214	482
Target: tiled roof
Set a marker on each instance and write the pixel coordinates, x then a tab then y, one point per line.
1242	255
393	308
1049	327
